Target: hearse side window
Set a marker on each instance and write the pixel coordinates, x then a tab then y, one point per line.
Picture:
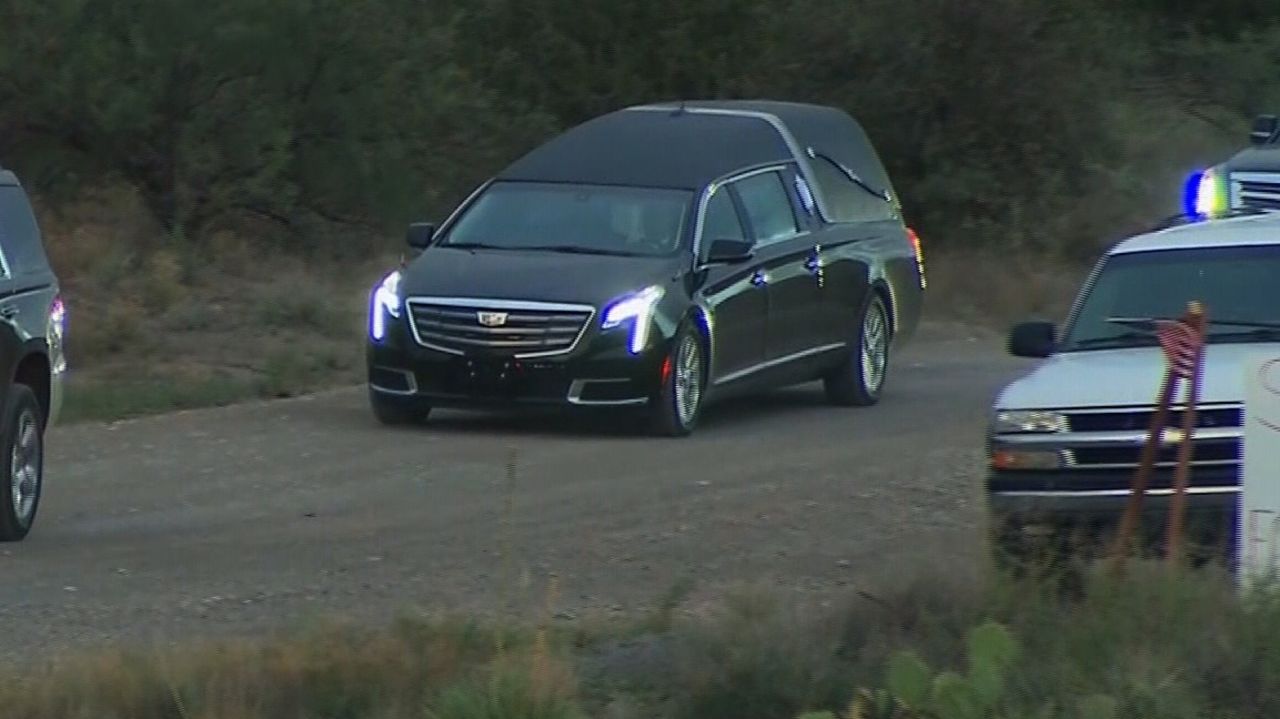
769	208
721	221
19	234
846	200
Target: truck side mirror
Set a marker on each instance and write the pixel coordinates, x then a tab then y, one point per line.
1264	129
1032	339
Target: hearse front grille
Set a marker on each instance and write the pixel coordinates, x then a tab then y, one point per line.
497	327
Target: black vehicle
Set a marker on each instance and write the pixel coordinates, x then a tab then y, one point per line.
31	357
655	258
1247	181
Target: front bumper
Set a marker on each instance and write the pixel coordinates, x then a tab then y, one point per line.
599	373
1044	508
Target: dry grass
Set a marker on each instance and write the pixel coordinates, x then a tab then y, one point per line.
1153	645
994	289
156	325
334	671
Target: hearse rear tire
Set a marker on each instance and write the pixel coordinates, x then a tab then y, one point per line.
23	453
860	378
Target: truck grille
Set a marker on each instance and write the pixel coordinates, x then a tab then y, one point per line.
1113	439
497	327
1258	190
1205	452
1139	419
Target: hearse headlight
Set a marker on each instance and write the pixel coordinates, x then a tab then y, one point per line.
636	309
386	302
1029	422
56	333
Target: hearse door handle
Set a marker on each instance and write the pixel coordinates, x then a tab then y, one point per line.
759	279
813	264
8	312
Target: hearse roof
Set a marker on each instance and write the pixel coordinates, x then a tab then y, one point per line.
652	149
692	144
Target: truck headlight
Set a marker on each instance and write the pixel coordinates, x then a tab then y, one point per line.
1029	421
386	302
636	308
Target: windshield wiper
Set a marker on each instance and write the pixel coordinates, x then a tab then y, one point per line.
1125	339
576	250
1257	333
1250	329
1257	325
1142	323
477	246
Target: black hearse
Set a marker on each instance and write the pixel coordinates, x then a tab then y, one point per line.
656	258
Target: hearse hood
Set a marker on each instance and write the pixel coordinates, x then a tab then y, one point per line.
534	275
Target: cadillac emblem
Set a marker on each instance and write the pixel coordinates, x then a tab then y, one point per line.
492	319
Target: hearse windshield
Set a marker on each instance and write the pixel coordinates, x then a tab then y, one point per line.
1238	286
585	219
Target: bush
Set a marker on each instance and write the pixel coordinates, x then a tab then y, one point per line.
997	118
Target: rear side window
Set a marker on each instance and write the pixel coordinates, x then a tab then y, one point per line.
848	201
768	206
19	234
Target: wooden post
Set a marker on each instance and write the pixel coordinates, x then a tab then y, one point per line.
1196	320
1146	466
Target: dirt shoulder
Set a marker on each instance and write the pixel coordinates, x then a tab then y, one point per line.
259	516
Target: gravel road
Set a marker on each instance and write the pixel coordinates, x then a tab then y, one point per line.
256	517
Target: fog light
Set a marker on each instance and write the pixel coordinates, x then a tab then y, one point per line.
1035	459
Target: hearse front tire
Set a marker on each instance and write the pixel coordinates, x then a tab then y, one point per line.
677	405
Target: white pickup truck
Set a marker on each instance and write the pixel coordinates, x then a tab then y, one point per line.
1064	439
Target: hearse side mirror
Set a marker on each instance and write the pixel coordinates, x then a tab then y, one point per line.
1264	129
419	234
1032	339
730	251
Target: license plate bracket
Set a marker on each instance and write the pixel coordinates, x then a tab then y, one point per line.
490	378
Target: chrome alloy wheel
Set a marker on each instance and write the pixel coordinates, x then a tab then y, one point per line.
24	468
875	347
688	378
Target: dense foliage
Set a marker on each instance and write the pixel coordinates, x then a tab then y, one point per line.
1022	123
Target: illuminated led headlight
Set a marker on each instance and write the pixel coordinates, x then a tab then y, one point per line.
1029	421
638	310
56	335
386	302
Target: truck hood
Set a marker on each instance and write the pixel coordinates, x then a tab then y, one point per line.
534	275
1125	377
1256	159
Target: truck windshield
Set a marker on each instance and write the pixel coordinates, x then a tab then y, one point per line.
591	219
1239	287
